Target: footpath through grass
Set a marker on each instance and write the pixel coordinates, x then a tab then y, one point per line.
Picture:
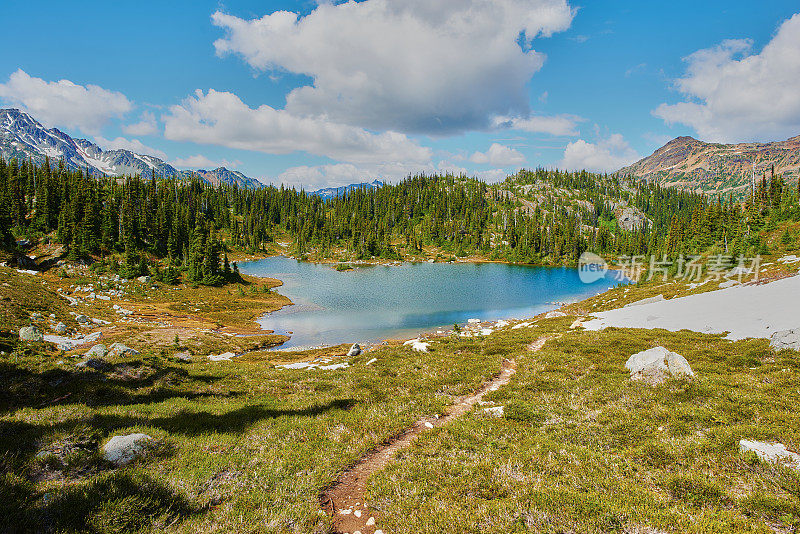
241	446
581	448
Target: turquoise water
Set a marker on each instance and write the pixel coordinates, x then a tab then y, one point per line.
374	303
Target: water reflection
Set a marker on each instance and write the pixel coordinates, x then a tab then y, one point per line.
373	303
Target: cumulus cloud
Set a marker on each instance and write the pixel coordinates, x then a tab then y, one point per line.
413	66
134	145
553	125
146	126
735	95
64	103
221	118
499	156
199	161
606	155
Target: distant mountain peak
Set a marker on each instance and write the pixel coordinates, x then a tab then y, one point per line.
717	168
332	192
24	138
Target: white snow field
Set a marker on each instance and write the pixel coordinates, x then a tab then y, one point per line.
742	311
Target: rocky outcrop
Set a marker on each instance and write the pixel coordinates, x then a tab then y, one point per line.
355	350
655	365
630	218
691	164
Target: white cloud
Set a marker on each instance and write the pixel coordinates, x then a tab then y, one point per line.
147	126
338	174
606	155
199	161
553	125
499	156
406	65
492	175
732	95
63	103
134	145
221	118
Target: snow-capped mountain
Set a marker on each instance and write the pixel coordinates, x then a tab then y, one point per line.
24	138
331	192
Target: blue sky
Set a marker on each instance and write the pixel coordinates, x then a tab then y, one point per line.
332	93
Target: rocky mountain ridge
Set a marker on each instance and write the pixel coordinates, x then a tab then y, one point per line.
24	138
716	168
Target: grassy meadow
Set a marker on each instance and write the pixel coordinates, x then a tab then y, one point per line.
247	446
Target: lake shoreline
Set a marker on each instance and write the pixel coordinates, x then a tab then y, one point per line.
329	306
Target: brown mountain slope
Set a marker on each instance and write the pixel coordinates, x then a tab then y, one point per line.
717	168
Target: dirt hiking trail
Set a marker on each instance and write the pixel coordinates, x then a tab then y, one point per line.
345	500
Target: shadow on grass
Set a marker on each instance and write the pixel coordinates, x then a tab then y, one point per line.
192	423
23	388
116	502
20	441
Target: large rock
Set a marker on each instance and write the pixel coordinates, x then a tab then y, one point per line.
657	364
145	279
119	349
98	351
30	333
774	453
417	345
60	328
97	364
554	314
82	319
355	350
122	450
785	339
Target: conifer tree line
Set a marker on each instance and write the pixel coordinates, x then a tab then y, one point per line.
191	225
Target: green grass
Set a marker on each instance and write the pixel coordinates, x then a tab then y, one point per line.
581	448
242	446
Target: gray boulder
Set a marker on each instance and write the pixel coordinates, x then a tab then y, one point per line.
98	351
774	453
82	319
144	279
122	450
785	339
355	350
97	364
120	349
655	365
30	333
183	356
554	314
60	328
